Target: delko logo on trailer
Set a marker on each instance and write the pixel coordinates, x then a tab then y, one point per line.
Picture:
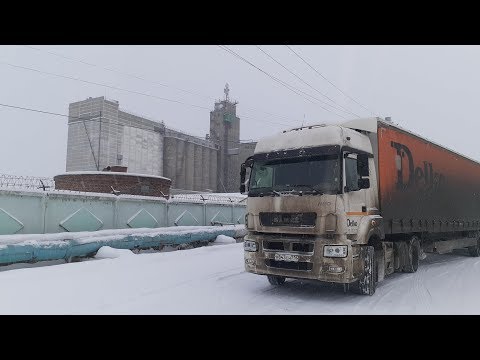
408	175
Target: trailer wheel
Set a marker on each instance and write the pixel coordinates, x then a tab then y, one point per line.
413	258
475	250
367	283
276	280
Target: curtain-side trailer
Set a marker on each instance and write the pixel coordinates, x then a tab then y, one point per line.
355	202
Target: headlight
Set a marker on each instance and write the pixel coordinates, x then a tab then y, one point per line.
335	251
250	245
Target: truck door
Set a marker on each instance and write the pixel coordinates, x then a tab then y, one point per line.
355	196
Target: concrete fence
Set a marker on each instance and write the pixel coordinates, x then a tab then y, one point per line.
44	212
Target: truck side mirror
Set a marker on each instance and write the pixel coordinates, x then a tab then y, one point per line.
243	172
363	183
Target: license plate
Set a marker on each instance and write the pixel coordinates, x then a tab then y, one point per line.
286	257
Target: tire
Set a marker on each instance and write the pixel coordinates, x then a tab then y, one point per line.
367	283
276	280
475	250
413	256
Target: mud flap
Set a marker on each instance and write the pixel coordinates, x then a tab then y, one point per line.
400	253
367	283
380	258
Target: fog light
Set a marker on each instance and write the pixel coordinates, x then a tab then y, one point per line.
250	245
250	262
335	269
339	251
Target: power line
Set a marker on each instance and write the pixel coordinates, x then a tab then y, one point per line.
289	87
266	121
139	77
116	71
340	107
103	85
283	83
121	89
88	119
331	83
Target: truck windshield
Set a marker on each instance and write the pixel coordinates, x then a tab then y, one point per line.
317	175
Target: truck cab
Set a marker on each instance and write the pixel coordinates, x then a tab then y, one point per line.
312	206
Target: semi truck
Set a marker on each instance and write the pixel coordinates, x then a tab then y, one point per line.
355	202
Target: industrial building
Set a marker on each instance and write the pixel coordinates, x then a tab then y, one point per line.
100	134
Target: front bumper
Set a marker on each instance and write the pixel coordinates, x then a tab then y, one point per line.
308	263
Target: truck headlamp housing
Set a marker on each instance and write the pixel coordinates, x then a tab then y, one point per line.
338	251
250	245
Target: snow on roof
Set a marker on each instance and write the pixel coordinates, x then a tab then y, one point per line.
312	136
112	173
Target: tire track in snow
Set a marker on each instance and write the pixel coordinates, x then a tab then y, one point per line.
298	296
420	289
191	280
231	275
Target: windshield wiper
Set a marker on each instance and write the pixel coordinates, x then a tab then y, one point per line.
307	186
269	192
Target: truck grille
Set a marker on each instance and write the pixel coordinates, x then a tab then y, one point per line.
288	219
306	266
288	246
302	247
273	245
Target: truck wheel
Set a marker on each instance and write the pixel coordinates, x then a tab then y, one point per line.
276	280
413	258
475	250
367	283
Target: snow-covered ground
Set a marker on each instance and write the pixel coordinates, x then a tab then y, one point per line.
212	280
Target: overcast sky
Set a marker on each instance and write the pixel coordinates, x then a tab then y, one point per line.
431	90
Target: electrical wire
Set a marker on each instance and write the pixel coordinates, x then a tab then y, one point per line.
281	82
337	107
331	83
88	119
196	93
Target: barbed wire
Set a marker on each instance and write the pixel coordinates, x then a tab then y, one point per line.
45	183
26	182
217	198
